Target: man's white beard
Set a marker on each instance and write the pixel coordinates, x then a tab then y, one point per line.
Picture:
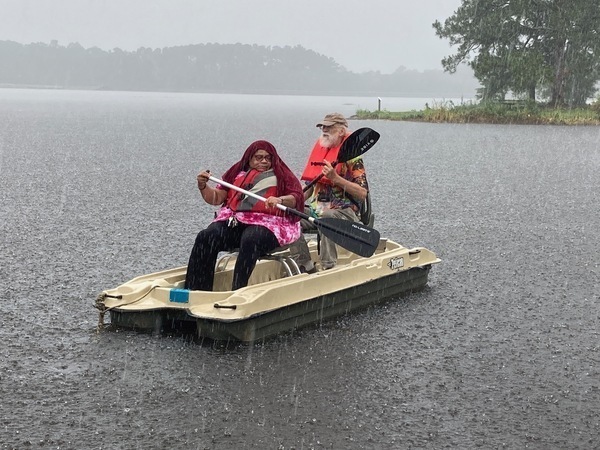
328	141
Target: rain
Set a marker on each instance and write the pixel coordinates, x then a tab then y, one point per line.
499	350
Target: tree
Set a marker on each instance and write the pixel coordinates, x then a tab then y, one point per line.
211	68
528	46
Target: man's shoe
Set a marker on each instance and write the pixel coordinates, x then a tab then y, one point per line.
303	270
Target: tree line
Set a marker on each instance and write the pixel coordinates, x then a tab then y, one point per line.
213	68
539	49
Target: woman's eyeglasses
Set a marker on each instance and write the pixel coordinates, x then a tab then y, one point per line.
259	158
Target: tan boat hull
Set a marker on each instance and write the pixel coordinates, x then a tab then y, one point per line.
272	303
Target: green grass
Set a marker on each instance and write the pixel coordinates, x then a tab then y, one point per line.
500	113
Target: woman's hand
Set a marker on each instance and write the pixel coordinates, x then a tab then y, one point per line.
202	179
272	201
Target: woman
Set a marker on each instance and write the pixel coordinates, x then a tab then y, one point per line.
253	226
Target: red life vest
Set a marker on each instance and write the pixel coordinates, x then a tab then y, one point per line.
260	183
314	166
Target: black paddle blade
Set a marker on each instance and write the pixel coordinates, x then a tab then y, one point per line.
353	236
357	144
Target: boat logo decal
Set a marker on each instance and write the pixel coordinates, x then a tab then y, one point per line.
396	263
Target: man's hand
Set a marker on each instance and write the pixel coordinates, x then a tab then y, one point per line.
329	172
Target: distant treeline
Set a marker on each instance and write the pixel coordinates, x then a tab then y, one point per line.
235	68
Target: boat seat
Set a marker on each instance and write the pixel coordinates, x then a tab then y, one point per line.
290	266
366	214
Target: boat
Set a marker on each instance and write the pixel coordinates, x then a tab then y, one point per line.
279	297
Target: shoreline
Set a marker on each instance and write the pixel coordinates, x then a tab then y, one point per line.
509	113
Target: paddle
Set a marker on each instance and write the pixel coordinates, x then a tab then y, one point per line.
355	145
353	236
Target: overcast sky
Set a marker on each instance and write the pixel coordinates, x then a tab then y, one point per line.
360	35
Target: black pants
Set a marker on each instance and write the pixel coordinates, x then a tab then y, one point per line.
253	241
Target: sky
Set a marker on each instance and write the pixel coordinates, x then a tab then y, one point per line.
378	35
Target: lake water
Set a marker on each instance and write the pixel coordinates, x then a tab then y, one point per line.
499	351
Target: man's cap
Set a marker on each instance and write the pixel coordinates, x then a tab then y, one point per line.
333	119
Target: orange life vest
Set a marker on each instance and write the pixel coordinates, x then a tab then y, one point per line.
314	166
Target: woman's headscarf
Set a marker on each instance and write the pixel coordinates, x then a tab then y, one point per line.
287	182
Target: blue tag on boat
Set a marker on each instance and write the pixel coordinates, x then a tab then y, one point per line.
179	295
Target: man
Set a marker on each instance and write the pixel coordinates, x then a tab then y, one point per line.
339	193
